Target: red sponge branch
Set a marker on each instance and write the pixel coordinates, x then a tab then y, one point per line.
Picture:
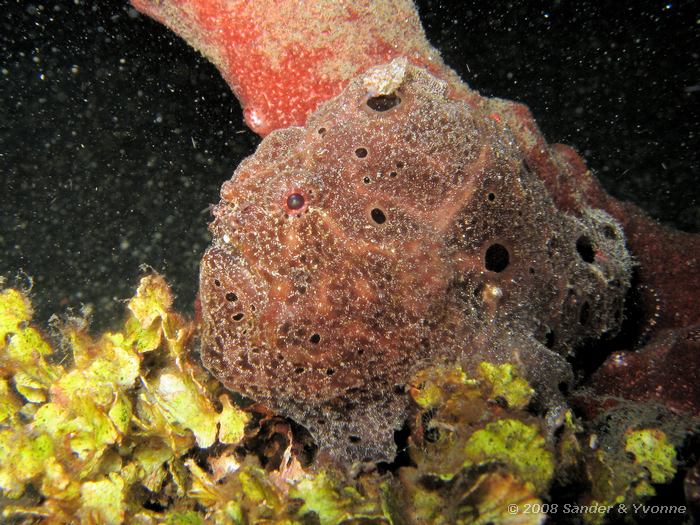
282	58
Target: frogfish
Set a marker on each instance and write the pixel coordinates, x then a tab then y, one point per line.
398	228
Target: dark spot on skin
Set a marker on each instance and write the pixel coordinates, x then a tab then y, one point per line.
378	216
295	201
618	315
354	439
321	131
609	232
491	196
315	339
549	339
238	317
585	313
392	174
330	372
399	164
217	282
383	102
496	258
361	153
231	297
584	247
366	180
299	370
431	435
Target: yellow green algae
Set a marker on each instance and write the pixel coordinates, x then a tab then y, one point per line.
652	451
624	473
127	427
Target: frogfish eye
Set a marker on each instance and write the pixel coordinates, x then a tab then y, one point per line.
295	201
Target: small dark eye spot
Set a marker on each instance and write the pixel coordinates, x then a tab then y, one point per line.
315	339
231	296
491	196
238	317
361	153
366	180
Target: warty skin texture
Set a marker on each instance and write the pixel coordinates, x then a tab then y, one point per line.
422	237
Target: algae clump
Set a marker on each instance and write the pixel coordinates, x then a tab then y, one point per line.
127	427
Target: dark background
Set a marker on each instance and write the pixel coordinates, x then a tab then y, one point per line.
115	136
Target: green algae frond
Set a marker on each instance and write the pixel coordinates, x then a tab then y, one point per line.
519	446
624	473
652	450
478	455
506	383
88	425
333	502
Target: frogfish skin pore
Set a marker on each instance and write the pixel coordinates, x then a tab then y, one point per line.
395	231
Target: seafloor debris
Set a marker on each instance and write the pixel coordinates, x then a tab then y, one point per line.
382	237
127	428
